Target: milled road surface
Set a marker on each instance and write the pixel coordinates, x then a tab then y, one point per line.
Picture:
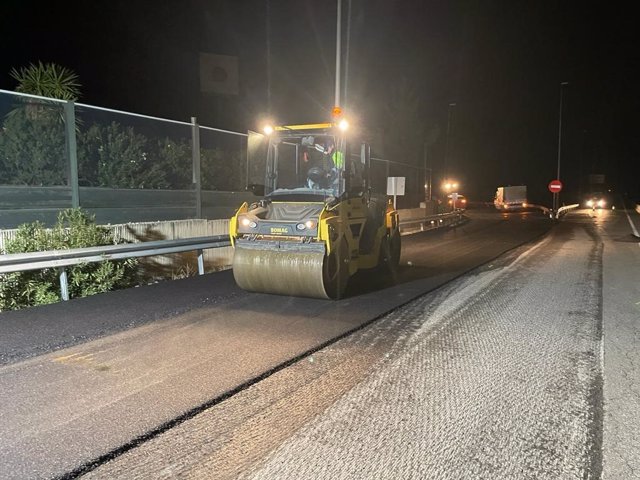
503	381
497	374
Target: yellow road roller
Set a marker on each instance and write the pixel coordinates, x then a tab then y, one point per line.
317	221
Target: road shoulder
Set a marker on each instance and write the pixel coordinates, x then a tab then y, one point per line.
621	324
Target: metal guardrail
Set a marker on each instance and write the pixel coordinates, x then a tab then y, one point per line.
20	262
563	210
542	208
432	221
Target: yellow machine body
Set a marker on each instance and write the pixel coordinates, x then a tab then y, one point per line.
304	242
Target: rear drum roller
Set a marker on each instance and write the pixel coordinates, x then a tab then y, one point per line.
336	270
390	248
395	247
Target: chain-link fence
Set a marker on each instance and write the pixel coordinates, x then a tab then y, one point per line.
124	167
32	141
119	165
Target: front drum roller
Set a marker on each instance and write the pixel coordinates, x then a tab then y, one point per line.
301	270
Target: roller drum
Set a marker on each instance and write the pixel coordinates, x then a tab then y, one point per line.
284	270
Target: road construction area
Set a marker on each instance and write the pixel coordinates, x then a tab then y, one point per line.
505	347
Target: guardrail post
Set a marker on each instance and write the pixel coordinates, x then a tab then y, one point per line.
72	151
200	262
195	155
64	289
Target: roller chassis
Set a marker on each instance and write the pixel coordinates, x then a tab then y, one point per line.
350	235
304	241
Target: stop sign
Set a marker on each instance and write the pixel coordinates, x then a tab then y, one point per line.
555	186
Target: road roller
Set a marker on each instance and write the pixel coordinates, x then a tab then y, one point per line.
316	220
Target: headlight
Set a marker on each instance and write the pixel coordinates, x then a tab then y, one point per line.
589	203
601	203
308	225
246	222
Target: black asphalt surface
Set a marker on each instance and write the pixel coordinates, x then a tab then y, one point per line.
428	260
499	374
88	380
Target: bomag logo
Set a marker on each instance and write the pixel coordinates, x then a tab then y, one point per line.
279	230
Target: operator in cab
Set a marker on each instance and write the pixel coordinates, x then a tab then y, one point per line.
320	161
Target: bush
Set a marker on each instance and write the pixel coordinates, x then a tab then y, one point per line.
115	156
74	229
221	170
32	150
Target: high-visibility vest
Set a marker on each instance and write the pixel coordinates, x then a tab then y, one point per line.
338	159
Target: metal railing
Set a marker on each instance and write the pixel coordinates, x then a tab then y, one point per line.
20	262
565	209
431	222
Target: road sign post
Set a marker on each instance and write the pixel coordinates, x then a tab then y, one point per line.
395	186
555	187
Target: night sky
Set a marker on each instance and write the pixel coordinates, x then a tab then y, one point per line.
500	62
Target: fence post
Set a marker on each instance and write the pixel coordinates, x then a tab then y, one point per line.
64	288
195	155
72	151
200	261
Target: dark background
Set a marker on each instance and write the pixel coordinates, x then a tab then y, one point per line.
500	62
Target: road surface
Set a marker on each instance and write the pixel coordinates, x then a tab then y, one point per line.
484	367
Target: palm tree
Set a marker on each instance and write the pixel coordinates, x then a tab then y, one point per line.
32	136
47	80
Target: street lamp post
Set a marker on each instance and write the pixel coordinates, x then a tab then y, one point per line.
556	195
338	51
427	185
446	145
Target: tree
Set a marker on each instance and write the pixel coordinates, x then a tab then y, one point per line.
47	80
32	149
222	170
32	140
117	157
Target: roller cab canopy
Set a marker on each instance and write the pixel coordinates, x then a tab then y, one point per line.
306	163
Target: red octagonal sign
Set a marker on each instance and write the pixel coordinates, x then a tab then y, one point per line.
555	186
